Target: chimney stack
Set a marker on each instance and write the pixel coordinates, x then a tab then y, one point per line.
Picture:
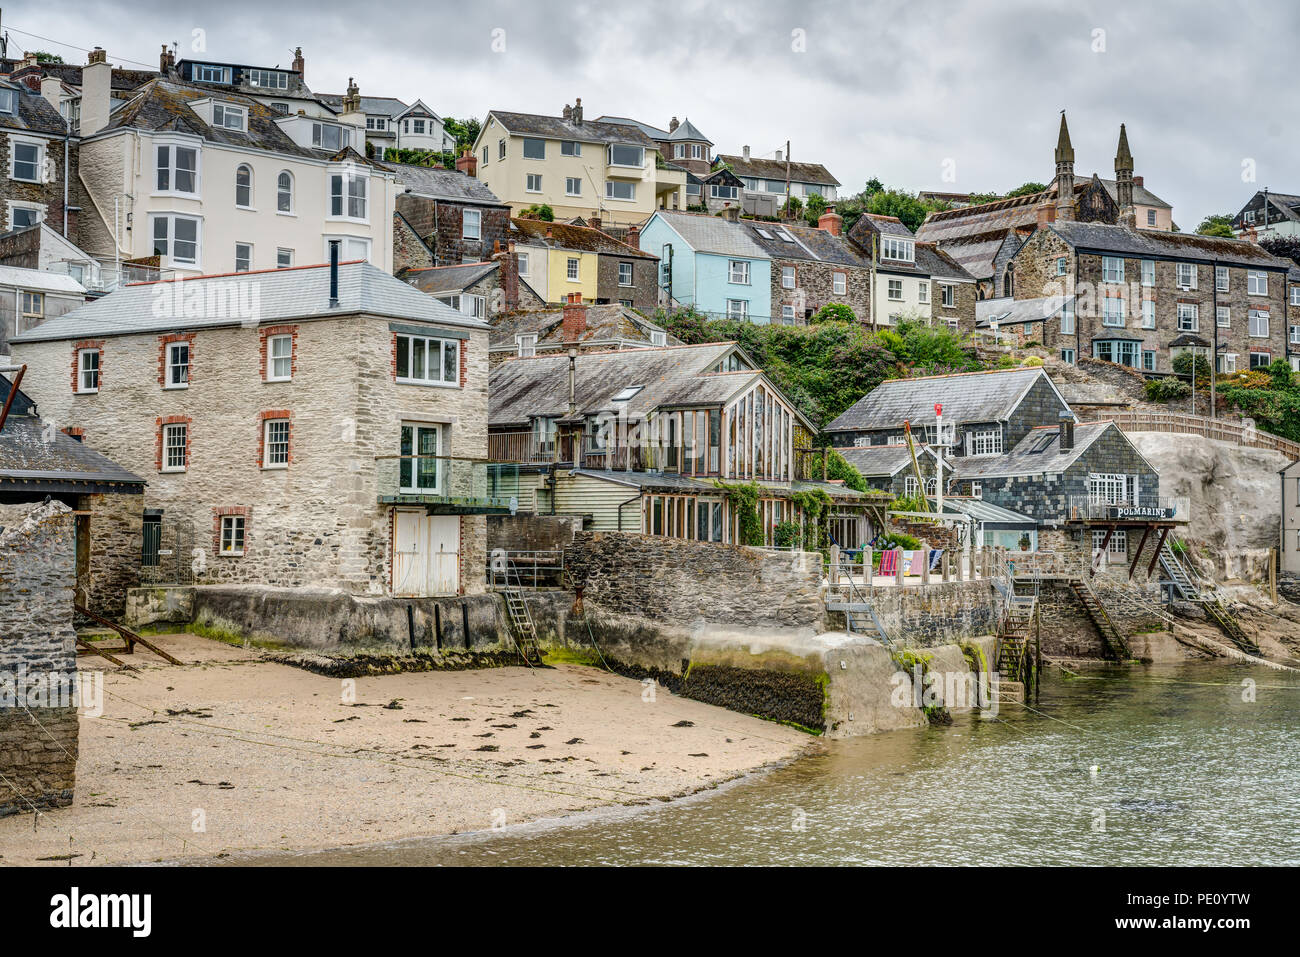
568	112
467	162
744	151
594	222
96	91
577	111
633	237
730	213
509	274
831	222
780	157
1138	181
673	124
574	323
1067	431
299	64
51	90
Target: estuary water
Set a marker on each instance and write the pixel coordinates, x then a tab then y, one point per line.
1157	765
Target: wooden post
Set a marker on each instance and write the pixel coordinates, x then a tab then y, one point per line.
835	564
947	565
925	563
1272	574
898	573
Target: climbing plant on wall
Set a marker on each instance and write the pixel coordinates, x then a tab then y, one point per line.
744	505
816	506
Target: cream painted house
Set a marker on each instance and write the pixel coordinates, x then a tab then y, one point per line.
606	172
213	181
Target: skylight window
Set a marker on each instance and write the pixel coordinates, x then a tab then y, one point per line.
785	237
625	394
765	234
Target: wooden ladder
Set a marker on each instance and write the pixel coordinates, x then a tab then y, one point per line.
1013	638
521	620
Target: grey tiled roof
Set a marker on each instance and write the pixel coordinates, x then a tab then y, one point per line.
521	389
436	183
875	461
1008	311
686	130
651	131
26	455
987	514
889	225
569	236
776	169
1159	244
35	113
301	292
713	234
966	397
939	264
438	279
374	105
673	482
558	128
1037	453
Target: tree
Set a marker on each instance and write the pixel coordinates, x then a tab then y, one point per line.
1287	247
835	312
543	212
873	186
815	207
43	57
792	206
465	131
1216	225
1027	189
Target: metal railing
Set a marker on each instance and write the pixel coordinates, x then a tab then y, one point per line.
1219	429
1148	507
526	569
106	275
448	480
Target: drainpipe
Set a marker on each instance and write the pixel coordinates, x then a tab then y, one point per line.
635	498
573	365
1214	353
67	171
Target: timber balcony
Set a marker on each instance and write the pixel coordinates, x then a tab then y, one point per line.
577	451
1086	508
446	485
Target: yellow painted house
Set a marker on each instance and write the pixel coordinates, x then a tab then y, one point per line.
609	172
559	259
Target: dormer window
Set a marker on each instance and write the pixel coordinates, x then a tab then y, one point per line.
227	117
327	136
269	79
898	250
8	101
207	73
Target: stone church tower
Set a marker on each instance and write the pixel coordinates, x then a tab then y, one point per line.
1064	174
1124	181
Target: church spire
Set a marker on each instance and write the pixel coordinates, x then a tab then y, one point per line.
1124	180
1064	173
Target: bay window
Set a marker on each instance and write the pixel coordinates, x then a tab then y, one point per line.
176	239
348	195
178	169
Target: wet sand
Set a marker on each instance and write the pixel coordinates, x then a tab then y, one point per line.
231	754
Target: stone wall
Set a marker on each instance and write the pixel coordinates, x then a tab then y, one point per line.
439	223
947	613
962	311
532	533
684	582
116	523
643	293
815	287
38	744
409	250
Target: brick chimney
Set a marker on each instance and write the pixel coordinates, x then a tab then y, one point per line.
96	85
673	124
1138	181
509	261
574	323
730	213
1045	213
548	231
633	237
467	162
299	64
594	222
831	222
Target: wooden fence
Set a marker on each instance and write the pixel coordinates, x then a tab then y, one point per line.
1220	429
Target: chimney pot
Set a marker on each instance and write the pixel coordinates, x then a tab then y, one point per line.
574	323
633	237
779	156
467	162
831	222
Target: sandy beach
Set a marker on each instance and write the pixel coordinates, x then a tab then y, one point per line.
232	754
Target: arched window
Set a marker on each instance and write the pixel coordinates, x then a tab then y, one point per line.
244	186
284	192
1007	284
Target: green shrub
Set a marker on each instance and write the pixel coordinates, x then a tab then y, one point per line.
786	534
1167	390
835	312
1031	361
897	540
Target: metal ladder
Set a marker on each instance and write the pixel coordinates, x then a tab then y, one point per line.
1184	583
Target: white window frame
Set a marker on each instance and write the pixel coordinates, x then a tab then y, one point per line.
1256	282
268	462
318	137
1229	363
169	446
570	148
839	283
640	150
1186	275
628	270
573	186
890	286
173	148
948	295
247	258
429	344
1254	315
1113	317
788	277
1223	317
229	525
343	242
526	345
1148	313
1112	269
344	198
613	187
1265	360
787	315
897	249
1148	272
522	260
240	170
283	258
923	293
84	371
1061	265
1189	317
272	358
177	373
38	165
36	209
573	269
737	308
1067	318
738	272
533	183
282	207
226	116
1222	279
170	258
984	443
476	217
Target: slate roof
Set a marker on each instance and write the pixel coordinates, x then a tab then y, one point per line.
966	397
38	279
713	234
686	130
520	389
605	323
567	236
34	112
26	457
810	244
166	105
889	225
987	514
876	461
939	264
1158	244
300	292
558	128
120	79
776	169
436	279
977	253
1008	311
389	106
1037	453
651	131
436	183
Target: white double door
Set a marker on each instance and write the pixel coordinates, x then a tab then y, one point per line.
426	554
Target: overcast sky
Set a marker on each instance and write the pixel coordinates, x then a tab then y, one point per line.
961	96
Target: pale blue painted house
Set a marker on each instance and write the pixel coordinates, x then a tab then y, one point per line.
711	264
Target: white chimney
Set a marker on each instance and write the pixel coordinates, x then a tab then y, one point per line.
96	85
51	88
745	151
779	156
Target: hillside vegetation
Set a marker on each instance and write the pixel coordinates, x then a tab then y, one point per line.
826	366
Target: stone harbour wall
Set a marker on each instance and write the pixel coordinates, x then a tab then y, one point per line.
38	737
938	614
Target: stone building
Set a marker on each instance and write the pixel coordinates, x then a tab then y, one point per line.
953	291
984	413
40	162
1141	297
481	289
813	267
560	260
455	216
300	427
45	457
38	711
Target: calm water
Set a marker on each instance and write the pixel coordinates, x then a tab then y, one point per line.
1187	773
